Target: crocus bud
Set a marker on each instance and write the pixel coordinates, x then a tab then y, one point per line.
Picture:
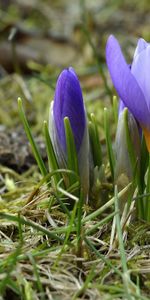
132	84
68	102
124	168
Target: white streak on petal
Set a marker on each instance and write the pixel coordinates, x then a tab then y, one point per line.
55	140
141	45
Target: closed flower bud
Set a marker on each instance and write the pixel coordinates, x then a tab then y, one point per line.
68	102
124	166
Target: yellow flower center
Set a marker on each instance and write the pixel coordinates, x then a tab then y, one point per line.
147	138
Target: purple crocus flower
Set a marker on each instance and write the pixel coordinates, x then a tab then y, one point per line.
132	84
68	102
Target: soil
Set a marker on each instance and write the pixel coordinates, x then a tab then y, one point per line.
13	140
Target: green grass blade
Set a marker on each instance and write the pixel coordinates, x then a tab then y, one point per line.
11	284
37	276
28	291
115	109
79	225
108	204
109	143
66	192
71	225
100	223
34	147
128	284
25	221
89	278
51	154
119	231
63	206
95	142
105	259
72	160
11	263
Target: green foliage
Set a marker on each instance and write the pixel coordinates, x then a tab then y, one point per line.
35	150
109	143
95	141
50	249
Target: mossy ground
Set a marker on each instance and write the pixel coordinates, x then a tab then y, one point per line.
40	255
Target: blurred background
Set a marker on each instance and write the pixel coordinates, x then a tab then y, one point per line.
39	38
63	32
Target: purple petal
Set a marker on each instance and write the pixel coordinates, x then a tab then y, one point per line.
141	45
141	71
68	102
125	83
